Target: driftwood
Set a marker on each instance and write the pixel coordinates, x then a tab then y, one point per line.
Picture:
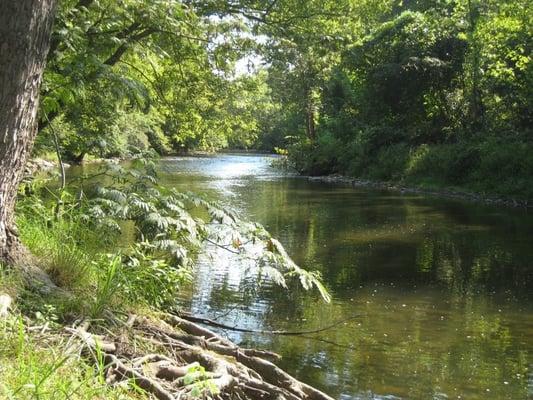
188	357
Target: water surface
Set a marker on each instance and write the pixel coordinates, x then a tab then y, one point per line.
440	291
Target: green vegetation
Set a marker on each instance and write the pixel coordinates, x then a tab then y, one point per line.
77	236
114	242
33	371
149	74
422	92
431	93
426	93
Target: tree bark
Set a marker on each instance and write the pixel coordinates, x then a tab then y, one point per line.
310	117
25	31
311	131
476	97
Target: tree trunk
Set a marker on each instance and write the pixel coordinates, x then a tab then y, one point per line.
476	98
310	117
311	131
25	31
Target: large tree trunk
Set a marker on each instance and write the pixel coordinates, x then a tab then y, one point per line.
25	31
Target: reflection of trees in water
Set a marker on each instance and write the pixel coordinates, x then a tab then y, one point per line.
454	341
357	238
428	347
427	277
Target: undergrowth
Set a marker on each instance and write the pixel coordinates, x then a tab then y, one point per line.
34	367
490	167
79	242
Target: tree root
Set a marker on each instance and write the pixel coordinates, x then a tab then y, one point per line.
269	371
187	361
115	366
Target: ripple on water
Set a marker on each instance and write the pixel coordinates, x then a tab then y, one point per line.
444	288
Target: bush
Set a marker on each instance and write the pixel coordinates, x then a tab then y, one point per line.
390	163
449	163
491	166
315	158
505	168
149	280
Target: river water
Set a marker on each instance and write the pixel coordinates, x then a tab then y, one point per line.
440	291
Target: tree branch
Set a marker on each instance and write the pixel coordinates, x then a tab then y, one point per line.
209	322
119	52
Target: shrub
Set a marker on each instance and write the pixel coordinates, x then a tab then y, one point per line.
149	280
390	163
315	158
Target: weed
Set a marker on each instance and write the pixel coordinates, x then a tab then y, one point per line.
32	371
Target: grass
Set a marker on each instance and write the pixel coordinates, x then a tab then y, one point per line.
33	365
30	368
106	287
57	244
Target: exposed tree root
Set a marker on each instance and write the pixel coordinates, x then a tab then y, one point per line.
116	367
178	359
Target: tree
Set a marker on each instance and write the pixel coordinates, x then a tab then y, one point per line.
25	31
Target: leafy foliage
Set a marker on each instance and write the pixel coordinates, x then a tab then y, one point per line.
119	235
448	76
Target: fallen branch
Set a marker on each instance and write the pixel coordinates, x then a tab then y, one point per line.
215	324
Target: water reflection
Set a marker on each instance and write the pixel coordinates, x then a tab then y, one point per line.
442	290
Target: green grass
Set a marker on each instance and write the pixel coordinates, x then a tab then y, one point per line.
32	366
57	245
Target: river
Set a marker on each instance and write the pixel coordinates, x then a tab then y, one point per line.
440	291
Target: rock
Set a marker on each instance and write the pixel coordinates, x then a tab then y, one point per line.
5	304
40	165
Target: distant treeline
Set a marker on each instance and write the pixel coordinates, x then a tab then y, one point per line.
435	92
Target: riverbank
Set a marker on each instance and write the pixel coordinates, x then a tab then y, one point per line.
131	356
492	170
439	192
100	319
44	165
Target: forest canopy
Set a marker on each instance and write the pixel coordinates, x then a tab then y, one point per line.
417	90
424	93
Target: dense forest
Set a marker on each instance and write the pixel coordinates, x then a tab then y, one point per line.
426	92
